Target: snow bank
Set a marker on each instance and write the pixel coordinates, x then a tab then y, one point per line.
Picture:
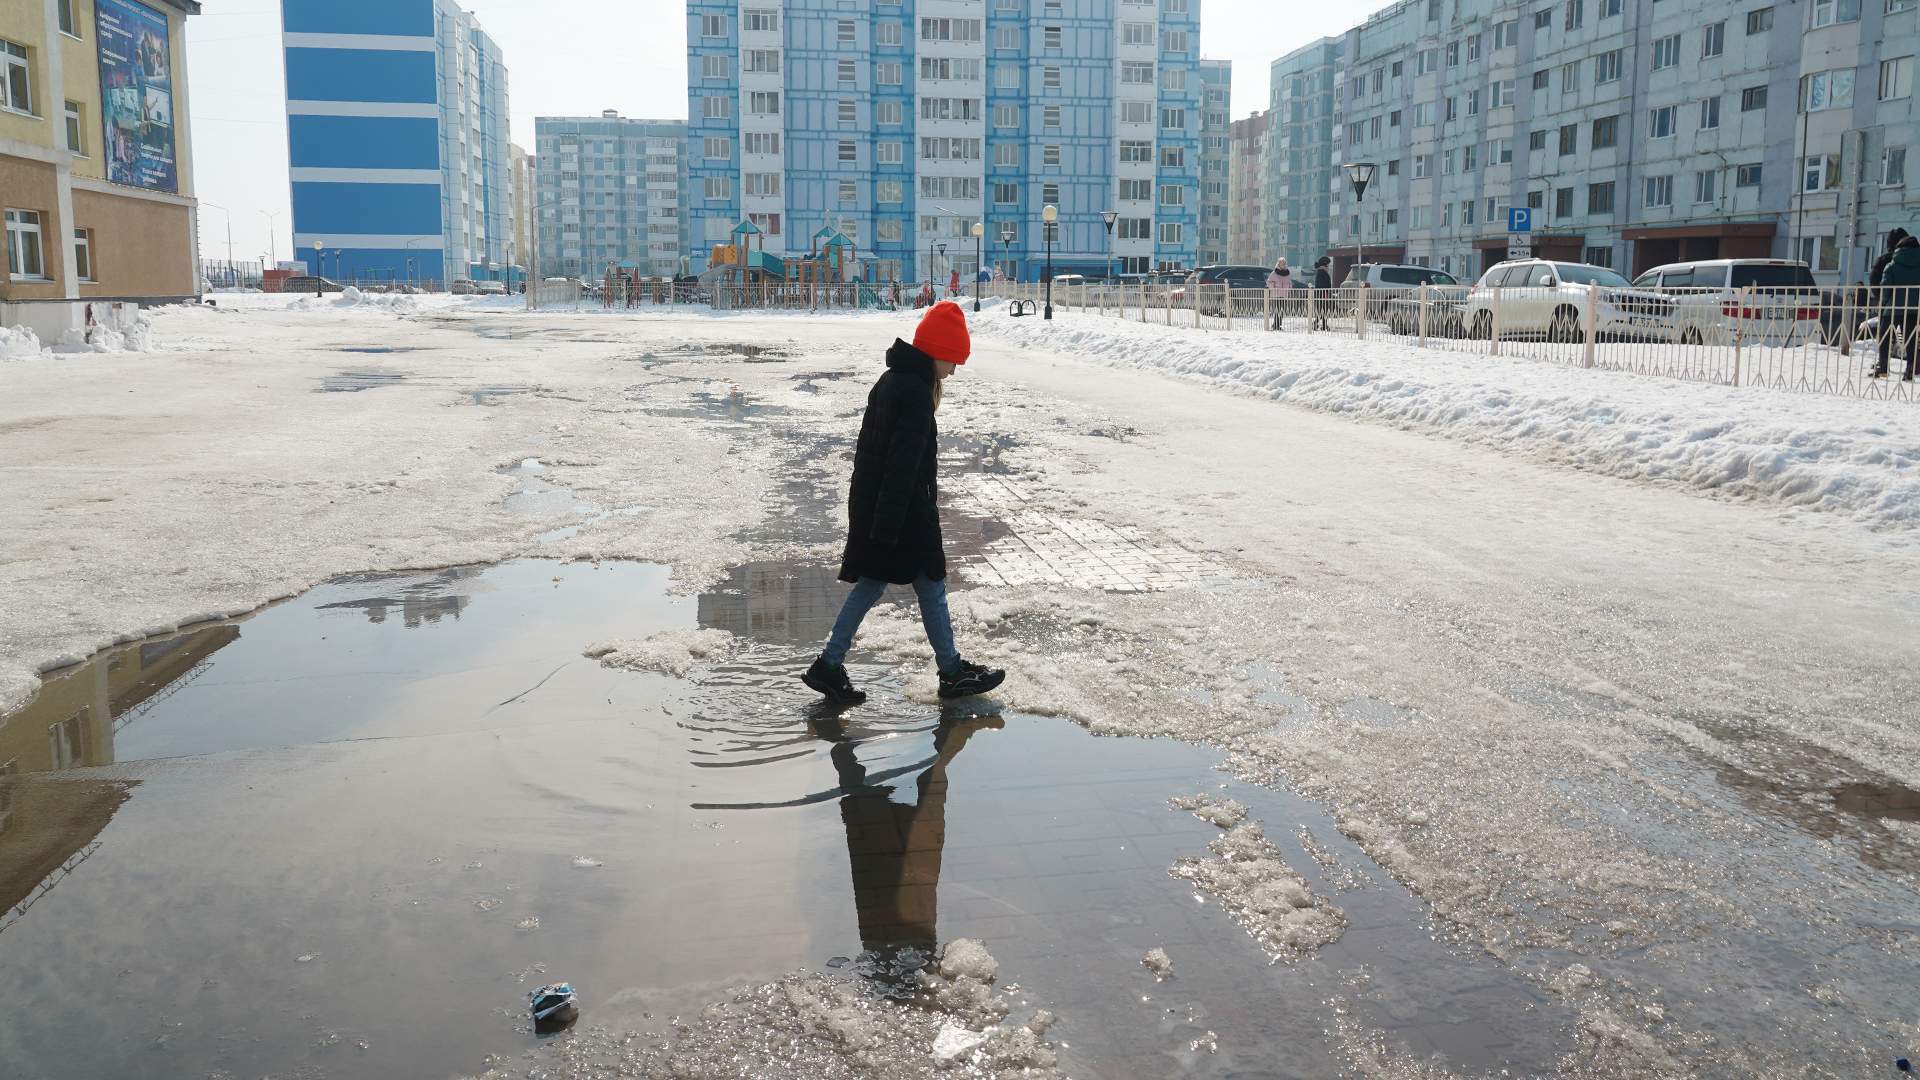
18	343
135	334
1855	458
669	652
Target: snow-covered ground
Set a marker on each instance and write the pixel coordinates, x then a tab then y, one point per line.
1597	665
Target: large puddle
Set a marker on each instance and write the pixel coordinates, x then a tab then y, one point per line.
345	835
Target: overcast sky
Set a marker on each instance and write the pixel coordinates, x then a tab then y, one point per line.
564	57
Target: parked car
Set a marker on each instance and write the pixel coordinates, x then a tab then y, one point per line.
490	288
1386	281
1710	306
1216	275
461	288
1061	281
1446	311
309	283
1550	299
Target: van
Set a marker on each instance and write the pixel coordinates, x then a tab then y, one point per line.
1712	304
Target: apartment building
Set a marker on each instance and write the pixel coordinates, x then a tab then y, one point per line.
1216	80
1300	174
1246	189
611	192
902	123
1639	131
520	168
96	158
397	118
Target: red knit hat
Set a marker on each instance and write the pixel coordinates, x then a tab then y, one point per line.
942	333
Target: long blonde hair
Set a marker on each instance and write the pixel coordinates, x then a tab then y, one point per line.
936	394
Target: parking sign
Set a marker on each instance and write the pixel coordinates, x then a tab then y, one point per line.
1519	219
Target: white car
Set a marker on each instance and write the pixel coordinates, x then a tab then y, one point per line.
1712	302
1538	297
461	288
490	288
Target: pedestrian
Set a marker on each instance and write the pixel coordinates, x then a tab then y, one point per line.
893	516
1900	307
1280	281
953	284
1875	280
1322	287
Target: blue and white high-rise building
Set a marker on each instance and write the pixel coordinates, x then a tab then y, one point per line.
397	141
901	123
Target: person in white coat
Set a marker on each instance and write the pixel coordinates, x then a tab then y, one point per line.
1280	282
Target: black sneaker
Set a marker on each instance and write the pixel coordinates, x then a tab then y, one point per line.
831	680
969	679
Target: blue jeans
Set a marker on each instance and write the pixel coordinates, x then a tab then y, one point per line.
933	615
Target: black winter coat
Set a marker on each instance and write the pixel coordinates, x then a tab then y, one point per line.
1322	279
893	515
1900	287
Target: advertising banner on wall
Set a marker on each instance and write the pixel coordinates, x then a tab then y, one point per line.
136	95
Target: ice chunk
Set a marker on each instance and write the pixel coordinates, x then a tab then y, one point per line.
968	958
669	652
954	1040
1157	962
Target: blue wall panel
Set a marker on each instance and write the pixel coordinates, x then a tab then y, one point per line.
367	208
361	75
363	142
413	17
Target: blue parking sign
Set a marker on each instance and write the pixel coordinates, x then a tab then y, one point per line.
1519	219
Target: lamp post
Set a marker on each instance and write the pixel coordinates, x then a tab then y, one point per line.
233	276
979	230
1109	216
942	248
271	214
1360	173
1049	215
319	270
1006	245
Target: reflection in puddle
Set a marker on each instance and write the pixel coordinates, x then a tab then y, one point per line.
352	382
1889	801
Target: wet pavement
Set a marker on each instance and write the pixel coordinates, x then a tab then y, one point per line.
345	835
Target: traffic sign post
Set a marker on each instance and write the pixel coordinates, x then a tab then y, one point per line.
1519	246
1519	219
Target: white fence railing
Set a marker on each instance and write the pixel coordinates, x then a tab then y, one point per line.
785	296
1852	343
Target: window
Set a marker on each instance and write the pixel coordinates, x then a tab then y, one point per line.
1426	61
1606	67
1135	228
1473	53
888	72
1050	155
716	107
1753	98
1050	117
759	19
1393	118
1501	95
1537	200
1008	116
1379	79
714	67
1709	113
889	231
1135	33
1747	176
1136	112
1705	185
764	102
1826	90
1451	109
845	71
1173	119
1896	78
1398	68
886	33
1829	12
1759	20
1173	41
1576	14
1423	114
1136	72
1050	77
1569	139
1606	132
763	183
1049	194
1006	194
1466	213
1659	191
1500	152
762	142
717	147
1894	7
942	108
1563	202
847	152
713	26
1609	8
889	153
941	30
719	188
1819	252
1006	154
1133	152
1446	217
1506	35
1006	77
1417	218
15	90
1893	167
1542	79
1446	163
1713	40
1170	232
1173	195
1422	166
890	113
1666	52
1598	256
1173	157
1660	122
1600	198
845	31
848	111
1136	190
767	60
1050	37
23	245
1821	172
1570	77
76	138
848	191
949	149
1453	54
1543	19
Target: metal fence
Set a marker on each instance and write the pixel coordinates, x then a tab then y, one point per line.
583	296
1793	339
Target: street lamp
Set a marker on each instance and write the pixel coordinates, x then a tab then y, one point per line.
1360	173
979	230
1006	245
1108	216
1049	215
233	275
941	247
271	215
319	268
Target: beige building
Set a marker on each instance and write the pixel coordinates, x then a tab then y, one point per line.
96	165
522	166
1246	192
